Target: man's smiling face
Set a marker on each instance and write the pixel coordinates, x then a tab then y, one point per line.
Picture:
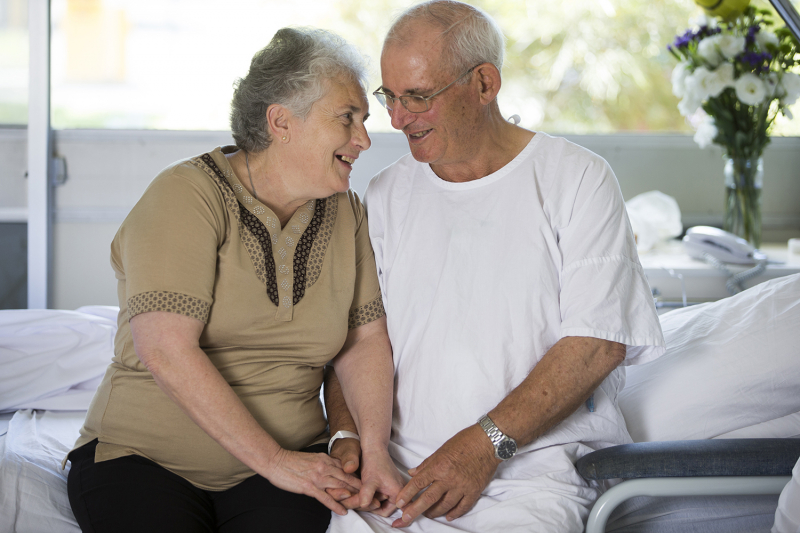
413	66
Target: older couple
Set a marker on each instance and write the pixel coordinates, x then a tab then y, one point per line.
503	259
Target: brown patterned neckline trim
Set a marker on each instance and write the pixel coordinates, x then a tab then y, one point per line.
309	253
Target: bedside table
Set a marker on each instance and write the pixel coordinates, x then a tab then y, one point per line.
665	265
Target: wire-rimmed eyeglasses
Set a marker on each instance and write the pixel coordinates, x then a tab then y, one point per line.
412	102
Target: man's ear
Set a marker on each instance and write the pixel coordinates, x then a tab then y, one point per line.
278	122
488	78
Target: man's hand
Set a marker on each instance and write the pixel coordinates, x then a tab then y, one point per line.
455	475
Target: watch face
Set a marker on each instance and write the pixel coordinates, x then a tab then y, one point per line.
506	449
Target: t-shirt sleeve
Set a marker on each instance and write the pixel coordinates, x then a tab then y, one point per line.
166	249
604	292
367	302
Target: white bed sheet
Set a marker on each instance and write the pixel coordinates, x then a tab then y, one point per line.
33	487
61	371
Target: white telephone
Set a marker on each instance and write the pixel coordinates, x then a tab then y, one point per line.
725	246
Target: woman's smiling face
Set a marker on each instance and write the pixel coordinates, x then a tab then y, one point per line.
330	139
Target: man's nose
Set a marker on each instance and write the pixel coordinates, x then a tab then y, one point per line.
401	116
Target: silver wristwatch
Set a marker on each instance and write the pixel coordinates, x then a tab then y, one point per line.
504	446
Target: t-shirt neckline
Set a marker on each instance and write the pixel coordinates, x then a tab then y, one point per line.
486	180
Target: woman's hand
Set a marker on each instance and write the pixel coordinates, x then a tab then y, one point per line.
381	480
312	474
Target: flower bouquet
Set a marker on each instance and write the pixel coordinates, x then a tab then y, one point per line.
734	77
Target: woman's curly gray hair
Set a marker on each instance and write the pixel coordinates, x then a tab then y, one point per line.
292	70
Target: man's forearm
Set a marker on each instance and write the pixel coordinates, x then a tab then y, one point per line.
557	386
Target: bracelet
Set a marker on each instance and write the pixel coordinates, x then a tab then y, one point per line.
342	435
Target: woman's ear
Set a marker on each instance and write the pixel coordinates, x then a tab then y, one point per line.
489	82
278	122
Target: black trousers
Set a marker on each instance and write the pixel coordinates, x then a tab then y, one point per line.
134	494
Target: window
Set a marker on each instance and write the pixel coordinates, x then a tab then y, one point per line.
13	62
573	66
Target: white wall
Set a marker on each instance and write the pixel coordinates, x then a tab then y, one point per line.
108	170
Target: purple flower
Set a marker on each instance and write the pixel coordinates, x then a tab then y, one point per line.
683	41
750	38
759	62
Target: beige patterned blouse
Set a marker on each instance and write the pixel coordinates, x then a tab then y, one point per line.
276	303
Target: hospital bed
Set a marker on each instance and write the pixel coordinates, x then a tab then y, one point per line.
731	371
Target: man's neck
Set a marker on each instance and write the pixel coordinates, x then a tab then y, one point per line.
493	147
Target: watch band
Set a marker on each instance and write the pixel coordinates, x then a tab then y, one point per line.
504	446
342	435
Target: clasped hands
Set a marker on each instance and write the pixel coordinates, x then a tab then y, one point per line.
449	482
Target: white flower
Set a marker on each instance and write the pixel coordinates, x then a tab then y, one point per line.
703	20
774	89
708	49
689	105
704	83
764	38
790	88
730	45
693	94
719	79
679	74
750	90
706	132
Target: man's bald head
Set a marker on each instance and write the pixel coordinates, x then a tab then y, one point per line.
469	36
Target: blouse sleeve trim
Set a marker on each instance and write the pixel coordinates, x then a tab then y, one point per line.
172	302
366	313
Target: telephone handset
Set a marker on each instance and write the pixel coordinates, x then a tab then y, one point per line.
725	246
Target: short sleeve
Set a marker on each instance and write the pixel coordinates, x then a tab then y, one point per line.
604	292
166	249
367	302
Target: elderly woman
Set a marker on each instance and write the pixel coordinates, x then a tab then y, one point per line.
242	273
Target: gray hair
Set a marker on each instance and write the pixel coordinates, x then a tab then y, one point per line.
293	70
471	36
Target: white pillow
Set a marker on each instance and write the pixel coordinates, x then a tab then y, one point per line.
51	359
730	364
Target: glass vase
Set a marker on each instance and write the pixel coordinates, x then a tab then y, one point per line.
744	178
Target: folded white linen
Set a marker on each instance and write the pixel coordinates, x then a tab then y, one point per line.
785	427
53	355
787	515
730	364
33	487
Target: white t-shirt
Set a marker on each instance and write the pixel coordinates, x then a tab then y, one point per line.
480	279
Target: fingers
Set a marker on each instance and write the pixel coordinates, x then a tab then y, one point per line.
333	469
416	484
425	501
339	494
325	499
450	500
348	452
386	509
367	492
462	508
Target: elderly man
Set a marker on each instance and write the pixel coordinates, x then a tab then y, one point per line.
512	289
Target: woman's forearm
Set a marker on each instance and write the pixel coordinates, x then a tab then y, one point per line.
185	374
366	372
339	417
168	345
